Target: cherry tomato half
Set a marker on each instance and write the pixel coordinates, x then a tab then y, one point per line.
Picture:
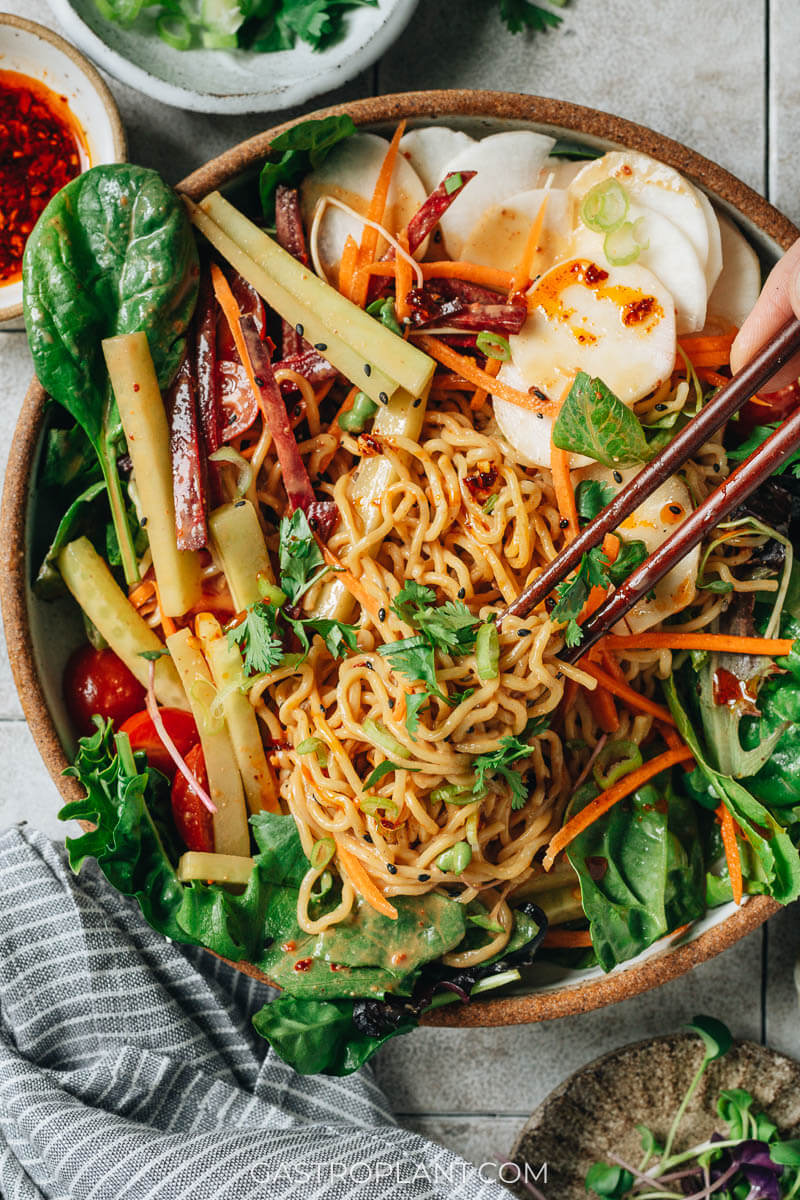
98	682
142	733
193	821
769	407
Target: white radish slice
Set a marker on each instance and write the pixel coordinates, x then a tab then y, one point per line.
563	170
506	163
617	323
714	264
739	285
349	174
671	257
652	523
500	237
654	185
430	148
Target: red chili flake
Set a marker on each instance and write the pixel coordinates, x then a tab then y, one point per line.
369	445
595	274
639	310
338	967
481	481
303	964
287	947
136	387
40	150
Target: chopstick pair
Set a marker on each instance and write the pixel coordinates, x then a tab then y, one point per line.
717	505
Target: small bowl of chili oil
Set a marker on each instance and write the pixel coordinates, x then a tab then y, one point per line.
57	118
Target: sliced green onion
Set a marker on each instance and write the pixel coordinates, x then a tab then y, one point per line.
454	793
495	981
121	11
324	885
272	594
313	745
487	651
615	761
354	420
622	246
322	852
493	345
485	922
377	733
488	506
219	41
372	805
174	30
453	183
455	859
227	454
605	206
385	312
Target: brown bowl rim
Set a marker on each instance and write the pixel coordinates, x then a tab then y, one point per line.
565	1000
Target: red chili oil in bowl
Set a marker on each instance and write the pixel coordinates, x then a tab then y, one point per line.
42	147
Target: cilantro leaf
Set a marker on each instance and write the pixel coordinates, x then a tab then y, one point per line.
415	703
498	762
255	635
411	598
301	561
450	627
631	555
385	768
337	635
594	422
414	658
594	570
592	496
756	438
520	15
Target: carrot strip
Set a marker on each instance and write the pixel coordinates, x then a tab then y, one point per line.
480	397
141	593
567	939
353	585
606	800
490	277
702	343
611	665
522	274
712	377
565	493
232	312
363	884
625	692
728	831
376	211
404	281
470	370
167	623
727	643
347	266
604	710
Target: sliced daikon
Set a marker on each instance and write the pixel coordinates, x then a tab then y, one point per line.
349	174
430	148
501	235
714	264
563	170
654	185
506	163
739	284
668	253
617	323
652	523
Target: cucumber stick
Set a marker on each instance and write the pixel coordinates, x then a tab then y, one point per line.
231	834
133	379
225	661
96	590
214	868
353	340
239	545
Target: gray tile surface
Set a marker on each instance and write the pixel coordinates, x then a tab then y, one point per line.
722	76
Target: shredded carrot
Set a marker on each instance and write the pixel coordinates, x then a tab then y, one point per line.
611	664
167	623
522	274
712	377
722	642
227	302
604	710
606	800
728	831
565	493
363	884
142	592
481	395
470	370
567	939
375	212
625	692
490	277
405	281
718	346
570	692
451	383
353	585
347	266
674	742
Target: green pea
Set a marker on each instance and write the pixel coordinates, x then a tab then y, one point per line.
354	420
456	859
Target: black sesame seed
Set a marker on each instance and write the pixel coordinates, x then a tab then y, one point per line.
563	523
321	346
391	868
717	468
523	632
661	408
298	408
259	381
676	509
237	504
369	666
559	674
549	603
144	520
367	370
423	878
299	330
384	399
462	593
540	416
392	702
381	614
417	402
617	477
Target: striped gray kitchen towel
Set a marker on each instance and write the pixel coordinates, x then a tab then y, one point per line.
129	1069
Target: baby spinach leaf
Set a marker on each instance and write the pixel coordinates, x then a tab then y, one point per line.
113	252
299	150
48	580
594	422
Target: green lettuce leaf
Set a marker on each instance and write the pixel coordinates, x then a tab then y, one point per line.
318	1036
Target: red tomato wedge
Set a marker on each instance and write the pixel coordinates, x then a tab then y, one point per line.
97	682
193	821
179	725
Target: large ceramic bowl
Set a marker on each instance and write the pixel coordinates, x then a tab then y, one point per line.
40	635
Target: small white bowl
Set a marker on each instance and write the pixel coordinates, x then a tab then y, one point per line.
32	50
235	81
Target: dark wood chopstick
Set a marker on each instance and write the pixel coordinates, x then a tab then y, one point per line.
727	401
715	508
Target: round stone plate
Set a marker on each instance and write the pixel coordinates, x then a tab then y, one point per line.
596	1111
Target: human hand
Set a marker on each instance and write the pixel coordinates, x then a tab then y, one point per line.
779	299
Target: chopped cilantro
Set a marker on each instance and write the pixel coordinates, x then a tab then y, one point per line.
301	561
255	635
414	706
594	570
498	762
450	627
